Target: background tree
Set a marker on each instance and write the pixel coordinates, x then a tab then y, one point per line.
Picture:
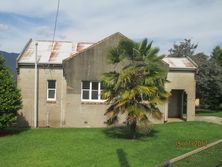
208	75
202	78
183	49
208	81
10	98
217	55
138	87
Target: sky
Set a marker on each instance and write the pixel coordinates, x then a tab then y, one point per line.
165	22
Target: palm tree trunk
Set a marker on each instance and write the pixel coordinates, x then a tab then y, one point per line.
133	129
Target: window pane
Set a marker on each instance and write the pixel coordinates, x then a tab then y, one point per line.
94	94
85	84
51	94
95	85
51	84
85	94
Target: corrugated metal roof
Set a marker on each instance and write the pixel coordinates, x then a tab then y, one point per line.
179	63
55	52
51	52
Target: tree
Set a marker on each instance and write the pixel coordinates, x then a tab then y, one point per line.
138	87
10	98
208	81
217	55
183	49
202	78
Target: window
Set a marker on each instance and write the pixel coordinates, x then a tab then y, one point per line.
51	90
91	91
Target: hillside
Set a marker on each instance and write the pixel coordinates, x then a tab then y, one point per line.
10	60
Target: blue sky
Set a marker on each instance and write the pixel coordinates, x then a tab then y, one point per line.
164	21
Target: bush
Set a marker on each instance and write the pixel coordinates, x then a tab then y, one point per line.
10	98
6	119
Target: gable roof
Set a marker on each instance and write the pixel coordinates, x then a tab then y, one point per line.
50	52
180	63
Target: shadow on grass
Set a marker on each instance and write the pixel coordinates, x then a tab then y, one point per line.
202	111
123	132
19	126
122	158
11	131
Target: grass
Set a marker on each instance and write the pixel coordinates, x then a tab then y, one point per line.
102	147
207	158
209	113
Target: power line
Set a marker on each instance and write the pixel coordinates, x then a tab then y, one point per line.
56	18
55	25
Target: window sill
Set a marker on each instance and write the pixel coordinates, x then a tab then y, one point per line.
93	102
51	101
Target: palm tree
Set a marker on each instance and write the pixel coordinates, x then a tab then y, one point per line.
138	87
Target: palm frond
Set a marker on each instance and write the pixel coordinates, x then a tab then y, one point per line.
138	87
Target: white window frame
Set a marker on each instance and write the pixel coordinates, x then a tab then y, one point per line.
48	89
90	92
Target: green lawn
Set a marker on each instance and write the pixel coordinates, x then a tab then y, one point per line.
102	147
207	158
209	113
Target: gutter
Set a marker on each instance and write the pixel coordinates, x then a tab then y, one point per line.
183	69
44	65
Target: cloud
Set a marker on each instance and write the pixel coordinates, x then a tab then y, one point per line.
163	21
47	32
44	31
4	27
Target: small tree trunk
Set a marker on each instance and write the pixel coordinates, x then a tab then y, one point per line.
133	129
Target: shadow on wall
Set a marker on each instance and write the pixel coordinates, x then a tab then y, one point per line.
122	157
21	122
123	132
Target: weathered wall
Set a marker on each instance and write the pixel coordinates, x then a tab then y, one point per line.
68	110
184	80
88	65
25	82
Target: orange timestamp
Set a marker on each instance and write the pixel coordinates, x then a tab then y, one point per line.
191	143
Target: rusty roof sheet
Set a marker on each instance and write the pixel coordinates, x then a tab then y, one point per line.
51	52
179	63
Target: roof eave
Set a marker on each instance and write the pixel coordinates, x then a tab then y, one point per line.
32	64
182	69
23	50
190	59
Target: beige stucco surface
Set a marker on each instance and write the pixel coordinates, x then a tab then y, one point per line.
68	110
48	111
183	80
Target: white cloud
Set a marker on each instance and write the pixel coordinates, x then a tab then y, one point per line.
164	21
3	27
44	31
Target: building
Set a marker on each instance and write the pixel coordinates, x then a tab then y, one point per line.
69	89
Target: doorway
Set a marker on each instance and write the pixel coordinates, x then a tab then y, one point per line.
177	104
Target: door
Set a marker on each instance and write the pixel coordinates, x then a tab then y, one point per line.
175	104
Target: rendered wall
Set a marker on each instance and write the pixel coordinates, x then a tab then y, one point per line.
88	65
184	80
48	111
68	110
